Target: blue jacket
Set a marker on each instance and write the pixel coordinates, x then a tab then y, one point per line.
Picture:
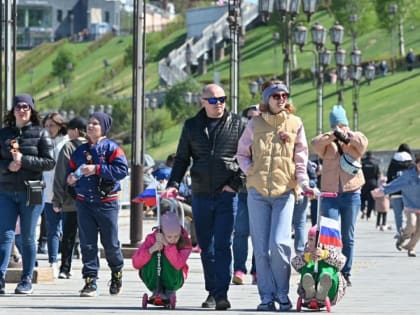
111	167
409	185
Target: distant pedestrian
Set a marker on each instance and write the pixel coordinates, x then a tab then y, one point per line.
97	168
409	185
410	59
381	207
383	66
371	171
64	199
341	151
401	161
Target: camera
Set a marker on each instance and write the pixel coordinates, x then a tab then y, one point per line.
340	136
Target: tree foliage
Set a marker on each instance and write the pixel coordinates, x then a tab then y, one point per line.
63	66
175	99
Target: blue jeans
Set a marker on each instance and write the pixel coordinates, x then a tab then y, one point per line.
213	219
13	204
270	220
299	224
54	231
240	236
346	206
102	218
397	205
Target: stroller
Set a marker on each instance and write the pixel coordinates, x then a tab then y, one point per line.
313	303
159	298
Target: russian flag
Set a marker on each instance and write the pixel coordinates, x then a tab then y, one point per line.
148	196
329	232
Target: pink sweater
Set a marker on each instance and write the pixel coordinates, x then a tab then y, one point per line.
177	258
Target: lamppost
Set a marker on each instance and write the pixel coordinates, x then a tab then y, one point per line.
253	88
393	8
276	38
234	15
356	75
289	9
319	36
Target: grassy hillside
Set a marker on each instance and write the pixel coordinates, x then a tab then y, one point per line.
388	108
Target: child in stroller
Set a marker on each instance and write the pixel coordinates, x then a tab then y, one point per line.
325	286
162	261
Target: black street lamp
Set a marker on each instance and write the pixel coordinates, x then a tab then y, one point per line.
356	75
276	38
322	58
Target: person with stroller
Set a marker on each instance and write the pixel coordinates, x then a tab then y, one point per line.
273	153
208	144
327	281
341	150
173	242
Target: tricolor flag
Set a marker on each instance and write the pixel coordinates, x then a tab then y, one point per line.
148	196
329	232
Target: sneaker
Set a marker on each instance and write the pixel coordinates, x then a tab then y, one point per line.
284	302
267	307
115	284
254	278
2	286
308	285
398	243
55	269
347	278
24	286
324	285
238	277
64	275
411	253
90	289
210	302
222	305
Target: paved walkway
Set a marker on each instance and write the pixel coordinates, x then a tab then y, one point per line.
385	281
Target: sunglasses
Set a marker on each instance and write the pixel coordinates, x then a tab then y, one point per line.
214	100
24	107
279	96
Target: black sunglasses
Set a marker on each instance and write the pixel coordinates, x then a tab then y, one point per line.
214	100
23	106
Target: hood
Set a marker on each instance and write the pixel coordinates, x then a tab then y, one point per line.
402	156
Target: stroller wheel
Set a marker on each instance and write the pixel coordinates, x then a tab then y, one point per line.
328	304
172	301
144	301
299	304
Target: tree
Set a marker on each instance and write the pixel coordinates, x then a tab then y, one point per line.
63	66
406	11
175	99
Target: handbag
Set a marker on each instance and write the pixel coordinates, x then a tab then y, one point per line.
34	192
347	163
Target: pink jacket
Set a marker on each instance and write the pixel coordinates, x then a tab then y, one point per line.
177	258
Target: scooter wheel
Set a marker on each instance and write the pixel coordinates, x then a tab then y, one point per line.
299	304
328	304
172	301
144	301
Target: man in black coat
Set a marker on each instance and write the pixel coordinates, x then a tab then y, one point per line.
209	140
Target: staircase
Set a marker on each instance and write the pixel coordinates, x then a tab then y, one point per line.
172	69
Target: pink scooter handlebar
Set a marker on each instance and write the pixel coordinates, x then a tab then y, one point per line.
326	194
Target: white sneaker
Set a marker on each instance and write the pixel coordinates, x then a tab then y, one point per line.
324	285
54	267
308	285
